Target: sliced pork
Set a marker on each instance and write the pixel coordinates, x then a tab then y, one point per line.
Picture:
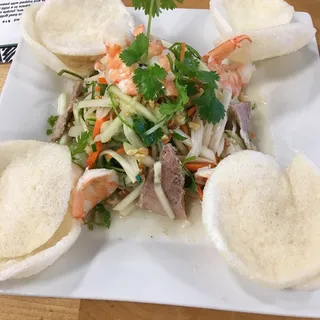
172	181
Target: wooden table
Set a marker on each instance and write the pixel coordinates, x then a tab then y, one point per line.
24	308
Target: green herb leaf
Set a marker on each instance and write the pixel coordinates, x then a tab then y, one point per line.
103	88
52	120
141	125
136	50
94	147
145	5
170	108
156	6
169	4
99	216
209	106
190	182
49	132
178	136
191	59
148	81
81	143
208	77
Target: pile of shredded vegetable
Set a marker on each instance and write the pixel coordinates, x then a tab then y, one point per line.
112	128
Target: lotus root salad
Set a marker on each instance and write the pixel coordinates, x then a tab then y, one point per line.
159	117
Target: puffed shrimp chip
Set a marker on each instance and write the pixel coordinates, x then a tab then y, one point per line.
266	22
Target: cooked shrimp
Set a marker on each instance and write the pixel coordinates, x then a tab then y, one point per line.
234	76
94	186
158	55
115	71
139	29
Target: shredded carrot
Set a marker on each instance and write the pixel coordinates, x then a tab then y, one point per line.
192	111
98	124
97	88
120	150
194	166
102	80
183	51
200	191
166	141
94	155
96	131
185	129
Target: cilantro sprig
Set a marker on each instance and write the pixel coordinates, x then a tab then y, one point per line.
136	51
81	142
153	8
170	108
191	79
148	81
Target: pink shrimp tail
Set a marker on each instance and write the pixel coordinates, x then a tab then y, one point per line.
137	30
224	50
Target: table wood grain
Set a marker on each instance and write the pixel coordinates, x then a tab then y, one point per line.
27	308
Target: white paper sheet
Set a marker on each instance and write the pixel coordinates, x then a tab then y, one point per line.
10	14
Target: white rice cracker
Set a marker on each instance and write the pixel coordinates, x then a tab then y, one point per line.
29	35
263	220
79	27
35	186
266	22
44	256
246	15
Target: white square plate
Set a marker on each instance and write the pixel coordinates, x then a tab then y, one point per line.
147	258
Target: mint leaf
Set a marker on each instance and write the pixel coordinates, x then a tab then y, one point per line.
136	50
141	125
148	81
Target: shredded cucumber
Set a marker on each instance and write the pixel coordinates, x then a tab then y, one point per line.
129	199
111	130
62	104
132	137
123	162
94	103
159	191
140	108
